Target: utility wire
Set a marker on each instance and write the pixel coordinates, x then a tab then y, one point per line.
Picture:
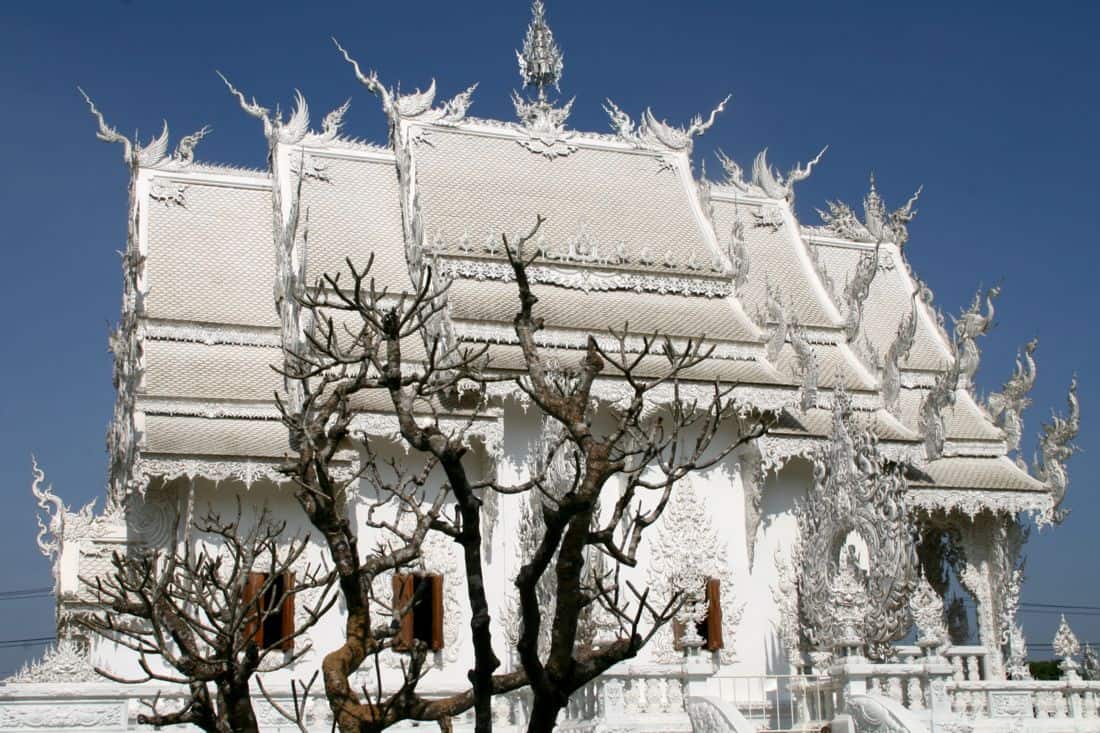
35	641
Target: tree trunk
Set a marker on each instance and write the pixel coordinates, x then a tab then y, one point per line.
544	716
235	713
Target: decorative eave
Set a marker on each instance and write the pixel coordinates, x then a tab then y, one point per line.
209	334
972	502
248	471
553	337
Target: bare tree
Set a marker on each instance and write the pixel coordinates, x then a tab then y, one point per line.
650	444
360	339
210	615
340	363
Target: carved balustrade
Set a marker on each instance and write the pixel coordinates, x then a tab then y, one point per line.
643	700
1052	703
781	702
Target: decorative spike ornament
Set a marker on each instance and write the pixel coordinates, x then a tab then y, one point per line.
1066	647
541	61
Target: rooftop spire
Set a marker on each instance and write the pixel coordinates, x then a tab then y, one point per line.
541	61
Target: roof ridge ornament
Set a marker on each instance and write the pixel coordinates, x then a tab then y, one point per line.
657	134
541	62
540	65
878	224
415	105
773	183
155	153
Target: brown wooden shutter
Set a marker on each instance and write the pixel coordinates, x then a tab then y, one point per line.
437	612
253	603
714	614
286	611
403	588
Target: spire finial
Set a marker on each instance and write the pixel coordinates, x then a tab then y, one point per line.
541	61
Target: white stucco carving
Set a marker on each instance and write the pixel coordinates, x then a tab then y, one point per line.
685	552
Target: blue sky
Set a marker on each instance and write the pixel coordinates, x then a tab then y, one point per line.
992	107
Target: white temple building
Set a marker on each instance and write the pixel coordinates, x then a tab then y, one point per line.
825	324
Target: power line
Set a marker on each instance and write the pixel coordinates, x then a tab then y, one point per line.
18	595
1060	606
34	641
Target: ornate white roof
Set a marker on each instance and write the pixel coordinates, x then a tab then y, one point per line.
630	236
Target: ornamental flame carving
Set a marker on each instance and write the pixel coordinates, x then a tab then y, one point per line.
859	561
926	607
1056	447
1007	406
52	508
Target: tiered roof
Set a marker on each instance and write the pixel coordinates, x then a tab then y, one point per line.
630	235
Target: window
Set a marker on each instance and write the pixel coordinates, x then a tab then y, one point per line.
710	628
271	624
424	620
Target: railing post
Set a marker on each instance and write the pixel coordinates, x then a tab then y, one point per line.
698	667
937	672
612	708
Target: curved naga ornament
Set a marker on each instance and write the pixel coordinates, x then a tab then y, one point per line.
51	506
1056	446
775	184
939	398
899	350
1007	406
657	134
968	327
858	560
857	290
290	258
878	714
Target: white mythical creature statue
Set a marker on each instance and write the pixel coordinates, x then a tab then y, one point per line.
1007	406
1056	447
968	327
